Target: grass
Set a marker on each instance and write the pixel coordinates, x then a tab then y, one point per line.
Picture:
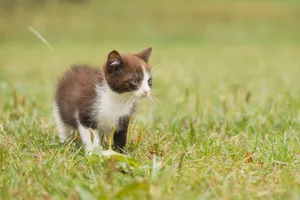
227	125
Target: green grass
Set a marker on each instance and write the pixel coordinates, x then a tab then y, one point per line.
227	124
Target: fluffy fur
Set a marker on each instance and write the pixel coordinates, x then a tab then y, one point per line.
94	101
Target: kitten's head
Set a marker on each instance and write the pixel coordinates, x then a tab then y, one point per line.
129	73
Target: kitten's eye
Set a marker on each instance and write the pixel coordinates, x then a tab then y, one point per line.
134	82
150	82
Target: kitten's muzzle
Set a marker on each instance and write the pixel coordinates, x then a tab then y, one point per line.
146	93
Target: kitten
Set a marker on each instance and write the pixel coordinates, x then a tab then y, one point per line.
94	101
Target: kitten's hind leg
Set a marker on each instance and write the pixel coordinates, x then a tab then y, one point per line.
64	130
89	137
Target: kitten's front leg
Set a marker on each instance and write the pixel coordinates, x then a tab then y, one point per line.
120	135
89	137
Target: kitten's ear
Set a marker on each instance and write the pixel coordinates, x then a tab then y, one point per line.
114	61
145	54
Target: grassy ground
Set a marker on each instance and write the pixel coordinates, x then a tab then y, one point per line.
227	123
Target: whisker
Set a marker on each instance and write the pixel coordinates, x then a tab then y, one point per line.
151	99
155	98
156	91
129	99
157	94
127	95
132	100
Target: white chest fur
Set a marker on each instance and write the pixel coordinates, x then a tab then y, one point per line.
109	107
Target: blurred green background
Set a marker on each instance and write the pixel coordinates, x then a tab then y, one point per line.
166	21
202	41
203	46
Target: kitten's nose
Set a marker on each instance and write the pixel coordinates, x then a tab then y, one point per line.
146	92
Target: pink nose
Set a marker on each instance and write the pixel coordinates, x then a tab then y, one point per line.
146	92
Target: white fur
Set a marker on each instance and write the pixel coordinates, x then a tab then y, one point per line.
109	106
85	134
64	130
115	63
86	138
144	86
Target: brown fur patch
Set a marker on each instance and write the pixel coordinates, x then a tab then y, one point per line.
76	93
130	67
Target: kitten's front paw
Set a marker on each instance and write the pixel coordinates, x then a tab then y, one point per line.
120	150
88	153
62	140
95	150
